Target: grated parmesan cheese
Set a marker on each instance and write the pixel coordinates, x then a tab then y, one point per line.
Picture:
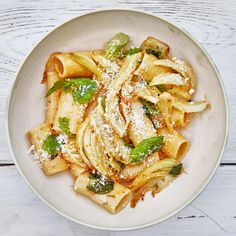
62	139
102	198
191	91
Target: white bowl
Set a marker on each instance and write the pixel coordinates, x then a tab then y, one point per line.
207	131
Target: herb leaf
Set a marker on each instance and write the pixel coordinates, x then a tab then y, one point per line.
51	145
82	89
115	45
57	85
129	145
161	88
176	170
131	51
146	148
155	53
99	184
85	89
64	126
150	108
94	175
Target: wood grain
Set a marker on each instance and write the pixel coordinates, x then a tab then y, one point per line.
22	213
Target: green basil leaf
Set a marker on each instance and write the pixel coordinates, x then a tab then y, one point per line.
146	148
94	175
51	145
131	51
115	45
57	85
150	108
161	88
129	145
99	184
153	52
64	126
84	90
176	170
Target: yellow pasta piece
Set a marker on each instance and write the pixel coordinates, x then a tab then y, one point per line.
178	118
88	63
113	201
71	110
39	134
56	165
53	99
66	67
175	144
156	45
77	170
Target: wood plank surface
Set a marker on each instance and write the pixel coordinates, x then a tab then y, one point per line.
23	213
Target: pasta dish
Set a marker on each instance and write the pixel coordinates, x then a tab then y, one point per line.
113	120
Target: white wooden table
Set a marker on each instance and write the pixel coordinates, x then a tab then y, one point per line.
23	23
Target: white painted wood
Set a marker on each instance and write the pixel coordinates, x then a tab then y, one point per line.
23	23
23	213
212	23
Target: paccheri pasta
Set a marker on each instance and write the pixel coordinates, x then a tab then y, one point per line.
114	120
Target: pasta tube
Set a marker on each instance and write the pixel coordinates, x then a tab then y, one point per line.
155	45
77	170
39	134
175	144
54	166
113	201
88	63
178	118
70	109
49	166
66	67
53	99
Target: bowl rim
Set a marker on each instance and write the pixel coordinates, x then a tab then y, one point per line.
174	25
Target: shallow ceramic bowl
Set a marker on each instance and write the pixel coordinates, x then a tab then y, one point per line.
207	131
